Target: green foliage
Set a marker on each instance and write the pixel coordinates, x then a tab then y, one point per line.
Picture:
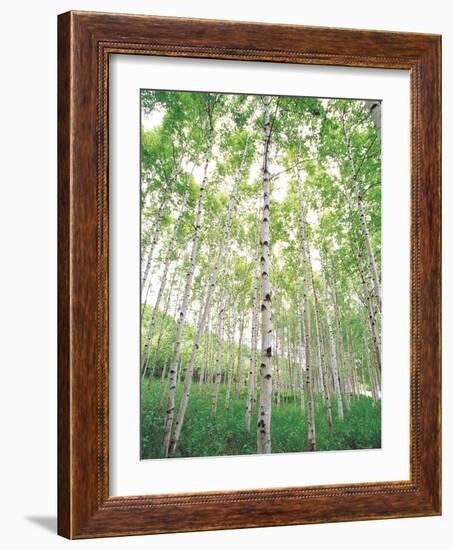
225	434
322	153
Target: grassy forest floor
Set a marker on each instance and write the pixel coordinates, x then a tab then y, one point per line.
225	434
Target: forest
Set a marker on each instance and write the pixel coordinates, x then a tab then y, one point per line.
260	274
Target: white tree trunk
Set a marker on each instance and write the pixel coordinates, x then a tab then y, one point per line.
202	321
238	380
162	326
372	320
220	320
185	302
277	378
218	373
371	377
150	252
153	243
264	416
169	255
232	329
152	323
307	327
343	375
290	359
252	371
363	222
333	354
322	353
205	354
188	376
300	355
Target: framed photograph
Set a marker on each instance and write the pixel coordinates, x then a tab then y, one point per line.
249	275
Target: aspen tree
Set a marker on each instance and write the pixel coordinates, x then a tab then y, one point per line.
307	328
220	321
252	370
372	320
161	328
264	417
187	289
238	380
202	321
320	339
230	359
301	354
362	216
333	354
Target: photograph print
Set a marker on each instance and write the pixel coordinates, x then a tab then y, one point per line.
260	274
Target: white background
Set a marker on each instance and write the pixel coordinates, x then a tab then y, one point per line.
28	274
129	475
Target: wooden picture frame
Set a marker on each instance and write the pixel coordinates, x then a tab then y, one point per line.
85	42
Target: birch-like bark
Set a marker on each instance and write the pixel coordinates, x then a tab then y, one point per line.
264	417
252	370
188	377
166	308
300	354
374	393
342	369
220	320
161	328
152	247
368	294
353	366
307	327
319	384
372	320
153	243
157	223
164	371
362	217
218	373
185	301
238	380
224	241
322	354
205	353
277	378
375	379
230	360
333	354
169	255
152	323
169	335
290	358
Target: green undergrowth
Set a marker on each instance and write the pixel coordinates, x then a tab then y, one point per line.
225	433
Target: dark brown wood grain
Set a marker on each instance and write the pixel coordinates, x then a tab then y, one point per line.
85	41
64	427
